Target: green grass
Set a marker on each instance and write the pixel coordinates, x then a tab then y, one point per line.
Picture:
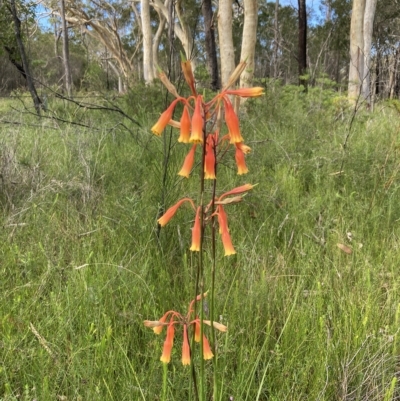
82	266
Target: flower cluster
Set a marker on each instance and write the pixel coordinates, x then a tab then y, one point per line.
197	114
171	319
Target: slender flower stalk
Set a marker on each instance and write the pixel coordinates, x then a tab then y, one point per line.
200	124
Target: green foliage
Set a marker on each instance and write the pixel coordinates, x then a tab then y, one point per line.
82	266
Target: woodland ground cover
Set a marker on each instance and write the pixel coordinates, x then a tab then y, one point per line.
83	263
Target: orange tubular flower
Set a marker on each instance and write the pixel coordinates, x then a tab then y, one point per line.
168	344
240	162
196	232
189	77
185	126
197	122
207	353
197	331
209	162
185	347
238	190
246	92
232	122
188	163
167	216
224	231
164	119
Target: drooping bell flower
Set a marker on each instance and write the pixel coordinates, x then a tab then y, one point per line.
188	163
207	353
164	119
240	161
196	232
185	126
167	216
246	92
168	344
188	74
185	347
209	162
232	122
224	230
197	122
197	331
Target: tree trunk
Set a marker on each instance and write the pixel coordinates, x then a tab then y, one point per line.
211	49
356	70
157	40
67	69
29	80
276	40
227	53
148	69
249	38
302	42
369	15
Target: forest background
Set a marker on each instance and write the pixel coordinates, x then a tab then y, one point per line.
312	298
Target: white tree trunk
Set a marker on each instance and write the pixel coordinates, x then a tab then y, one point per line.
157	40
148	69
249	38
356	70
226	49
369	15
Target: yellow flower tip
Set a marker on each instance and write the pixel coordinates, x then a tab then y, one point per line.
244	148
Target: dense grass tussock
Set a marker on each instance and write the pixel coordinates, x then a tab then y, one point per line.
312	299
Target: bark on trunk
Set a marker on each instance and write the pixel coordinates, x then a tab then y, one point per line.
369	15
148	69
356	70
302	42
38	104
276	39
249	38
211	50
67	69
227	53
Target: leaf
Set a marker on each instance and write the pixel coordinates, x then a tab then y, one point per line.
345	249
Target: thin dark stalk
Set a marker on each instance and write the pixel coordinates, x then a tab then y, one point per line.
213	270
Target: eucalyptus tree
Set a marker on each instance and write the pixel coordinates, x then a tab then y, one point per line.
11	41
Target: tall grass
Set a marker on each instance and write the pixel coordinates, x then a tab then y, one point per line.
82	266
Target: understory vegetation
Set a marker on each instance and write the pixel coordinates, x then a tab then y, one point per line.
311	300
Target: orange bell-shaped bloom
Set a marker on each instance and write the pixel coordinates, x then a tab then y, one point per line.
158	329
188	74
240	161
185	347
244	148
209	162
185	126
168	344
167	216
188	163
246	92
207	353
197	122
232	122
164	119
224	231
196	232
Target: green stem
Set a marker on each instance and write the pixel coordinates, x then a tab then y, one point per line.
164	388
